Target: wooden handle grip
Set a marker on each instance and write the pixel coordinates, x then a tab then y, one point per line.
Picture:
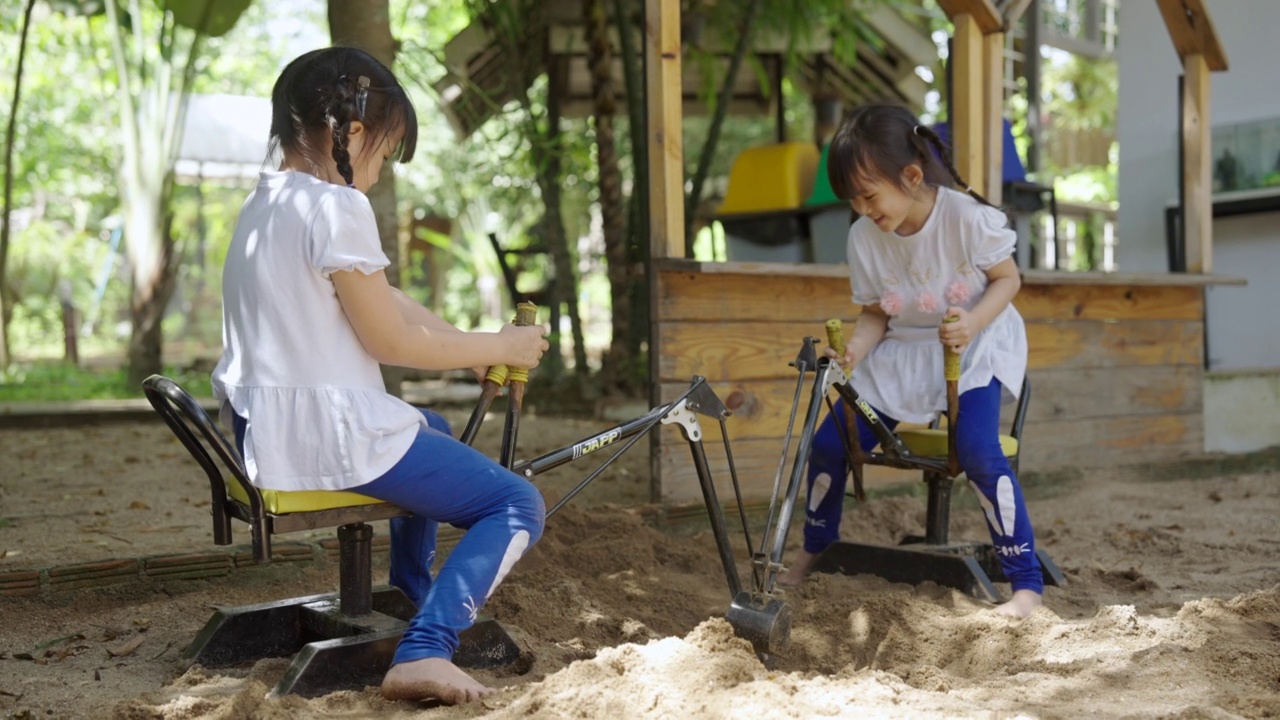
526	314
835	335
951	358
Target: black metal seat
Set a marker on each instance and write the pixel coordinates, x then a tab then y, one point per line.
342	640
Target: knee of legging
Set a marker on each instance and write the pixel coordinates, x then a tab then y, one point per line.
530	510
983	461
828	457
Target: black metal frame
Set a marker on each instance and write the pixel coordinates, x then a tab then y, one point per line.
971	566
358	627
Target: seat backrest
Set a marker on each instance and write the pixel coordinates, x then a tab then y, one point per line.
1012	169
204	441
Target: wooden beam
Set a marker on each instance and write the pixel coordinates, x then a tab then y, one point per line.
993	165
968	114
983	12
1197	181
666	136
1192	32
910	40
1012	10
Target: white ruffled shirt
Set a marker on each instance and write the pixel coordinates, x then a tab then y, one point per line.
915	278
319	416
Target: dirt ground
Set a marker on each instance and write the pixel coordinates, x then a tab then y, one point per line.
1172	607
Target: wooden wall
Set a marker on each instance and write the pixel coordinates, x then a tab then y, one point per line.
1116	367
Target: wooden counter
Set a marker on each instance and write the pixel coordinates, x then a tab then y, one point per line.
1116	363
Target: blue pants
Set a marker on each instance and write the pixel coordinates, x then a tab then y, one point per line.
988	470
442	480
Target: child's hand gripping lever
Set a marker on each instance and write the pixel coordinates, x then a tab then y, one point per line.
951	373
889	442
526	314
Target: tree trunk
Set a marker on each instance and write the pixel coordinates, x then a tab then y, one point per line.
8	187
518	28
637	219
618	371
154	280
546	154
366	24
708	153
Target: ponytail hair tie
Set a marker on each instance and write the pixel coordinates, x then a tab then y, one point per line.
362	95
915	130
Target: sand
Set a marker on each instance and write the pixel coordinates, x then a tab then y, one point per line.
1172	607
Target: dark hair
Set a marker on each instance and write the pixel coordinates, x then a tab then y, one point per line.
881	141
323	90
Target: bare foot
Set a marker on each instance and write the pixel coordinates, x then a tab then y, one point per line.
432	678
1022	604
798	571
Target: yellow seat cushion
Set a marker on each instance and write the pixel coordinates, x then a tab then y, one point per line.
929	442
283	502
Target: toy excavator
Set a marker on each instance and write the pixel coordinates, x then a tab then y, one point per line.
345	640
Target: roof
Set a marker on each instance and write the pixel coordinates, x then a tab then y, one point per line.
224	136
478	83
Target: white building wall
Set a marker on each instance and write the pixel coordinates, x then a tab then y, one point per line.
1148	112
1242	389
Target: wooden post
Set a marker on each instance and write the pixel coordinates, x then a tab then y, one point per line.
1191	30
993	46
967	103
1197	180
663	88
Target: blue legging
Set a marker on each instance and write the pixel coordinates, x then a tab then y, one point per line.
988	470
442	480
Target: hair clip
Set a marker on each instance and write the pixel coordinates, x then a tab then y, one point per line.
362	95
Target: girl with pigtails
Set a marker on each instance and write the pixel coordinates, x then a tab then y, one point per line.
308	316
922	251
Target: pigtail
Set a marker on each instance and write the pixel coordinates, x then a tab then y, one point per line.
339	113
944	153
321	93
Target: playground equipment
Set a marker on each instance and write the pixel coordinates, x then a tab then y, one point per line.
345	640
968	566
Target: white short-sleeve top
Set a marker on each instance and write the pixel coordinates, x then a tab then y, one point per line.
319	416
915	278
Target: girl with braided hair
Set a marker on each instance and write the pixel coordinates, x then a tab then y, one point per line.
920	252
308	316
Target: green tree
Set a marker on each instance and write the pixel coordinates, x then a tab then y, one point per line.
8	183
154	82
61	165
366	24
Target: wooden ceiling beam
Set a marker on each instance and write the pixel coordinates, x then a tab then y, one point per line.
1012	10
1192	32
983	12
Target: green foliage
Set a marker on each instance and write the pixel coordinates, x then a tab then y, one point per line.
214	18
47	259
64	155
54	382
66	160
1081	92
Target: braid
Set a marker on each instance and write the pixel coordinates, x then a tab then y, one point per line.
321	94
932	139
340	112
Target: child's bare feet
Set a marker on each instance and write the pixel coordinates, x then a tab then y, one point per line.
798	570
1022	604
432	678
